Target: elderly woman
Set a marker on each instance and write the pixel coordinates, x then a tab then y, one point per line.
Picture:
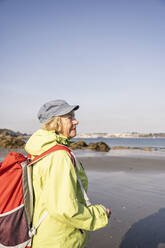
56	185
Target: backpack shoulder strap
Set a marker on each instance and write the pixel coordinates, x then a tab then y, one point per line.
52	149
88	203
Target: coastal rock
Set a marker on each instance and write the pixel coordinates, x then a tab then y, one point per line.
99	146
148	149
11	142
8	132
82	143
92	146
103	147
119	147
78	145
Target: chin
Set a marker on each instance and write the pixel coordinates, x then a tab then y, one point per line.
72	134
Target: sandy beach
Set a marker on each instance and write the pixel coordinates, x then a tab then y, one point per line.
134	190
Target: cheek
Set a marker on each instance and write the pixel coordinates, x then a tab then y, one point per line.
70	127
67	127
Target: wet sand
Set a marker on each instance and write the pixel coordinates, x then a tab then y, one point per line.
134	190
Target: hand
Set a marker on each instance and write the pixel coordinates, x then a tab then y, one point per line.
108	212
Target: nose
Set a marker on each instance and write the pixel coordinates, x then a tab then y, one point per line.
75	121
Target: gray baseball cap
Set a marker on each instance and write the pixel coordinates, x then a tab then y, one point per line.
55	108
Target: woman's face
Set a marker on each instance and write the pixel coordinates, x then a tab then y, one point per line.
69	124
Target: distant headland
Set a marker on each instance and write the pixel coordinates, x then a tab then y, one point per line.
121	135
8	132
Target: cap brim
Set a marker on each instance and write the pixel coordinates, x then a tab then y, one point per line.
76	107
68	110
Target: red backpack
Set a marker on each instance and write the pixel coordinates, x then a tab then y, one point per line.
16	199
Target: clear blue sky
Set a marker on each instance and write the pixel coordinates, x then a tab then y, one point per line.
106	55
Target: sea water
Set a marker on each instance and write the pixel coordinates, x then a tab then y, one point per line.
158	145
128	142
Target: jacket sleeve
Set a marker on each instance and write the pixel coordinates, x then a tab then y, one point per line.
61	196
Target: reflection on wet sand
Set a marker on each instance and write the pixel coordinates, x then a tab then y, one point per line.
137	202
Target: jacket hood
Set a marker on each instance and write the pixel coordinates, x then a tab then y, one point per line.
42	140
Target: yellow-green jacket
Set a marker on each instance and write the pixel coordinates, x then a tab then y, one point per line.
57	190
